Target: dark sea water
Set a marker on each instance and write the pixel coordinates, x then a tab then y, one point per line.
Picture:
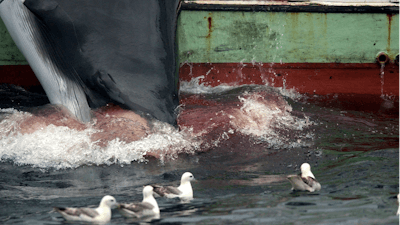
240	162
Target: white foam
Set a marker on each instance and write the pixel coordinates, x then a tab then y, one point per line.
194	87
61	147
264	120
289	93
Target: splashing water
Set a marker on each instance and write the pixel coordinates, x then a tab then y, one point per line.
382	75
64	147
260	112
267	119
194	87
388	102
48	137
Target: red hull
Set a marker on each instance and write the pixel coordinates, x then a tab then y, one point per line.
20	75
311	78
349	86
307	78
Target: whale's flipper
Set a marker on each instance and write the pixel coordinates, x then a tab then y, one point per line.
87	53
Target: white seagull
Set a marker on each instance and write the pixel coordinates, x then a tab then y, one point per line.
304	181
101	214
184	191
147	208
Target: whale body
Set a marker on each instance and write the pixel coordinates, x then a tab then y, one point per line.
88	53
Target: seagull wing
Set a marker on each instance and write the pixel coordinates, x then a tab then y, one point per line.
166	190
78	211
309	181
136	207
89	212
298	183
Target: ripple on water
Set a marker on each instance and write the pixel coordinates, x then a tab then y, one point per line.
241	177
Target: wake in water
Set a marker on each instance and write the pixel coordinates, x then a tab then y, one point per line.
48	137
64	143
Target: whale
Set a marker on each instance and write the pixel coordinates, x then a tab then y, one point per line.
87	54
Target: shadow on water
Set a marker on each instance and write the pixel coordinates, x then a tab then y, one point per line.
354	156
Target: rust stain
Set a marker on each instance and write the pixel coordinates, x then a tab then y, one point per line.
210	30
390	17
209	27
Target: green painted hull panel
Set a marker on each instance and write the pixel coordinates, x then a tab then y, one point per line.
224	36
9	53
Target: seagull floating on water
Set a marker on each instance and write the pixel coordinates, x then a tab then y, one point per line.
184	191
304	181
101	214
147	208
398	202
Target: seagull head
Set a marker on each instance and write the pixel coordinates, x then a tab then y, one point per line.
149	198
108	201
147	191
306	170
187	177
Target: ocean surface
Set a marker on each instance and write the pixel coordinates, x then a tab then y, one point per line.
239	142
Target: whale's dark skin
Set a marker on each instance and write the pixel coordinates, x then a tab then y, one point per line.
120	51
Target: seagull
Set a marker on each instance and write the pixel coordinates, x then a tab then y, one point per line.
147	208
101	214
304	181
398	202
184	191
